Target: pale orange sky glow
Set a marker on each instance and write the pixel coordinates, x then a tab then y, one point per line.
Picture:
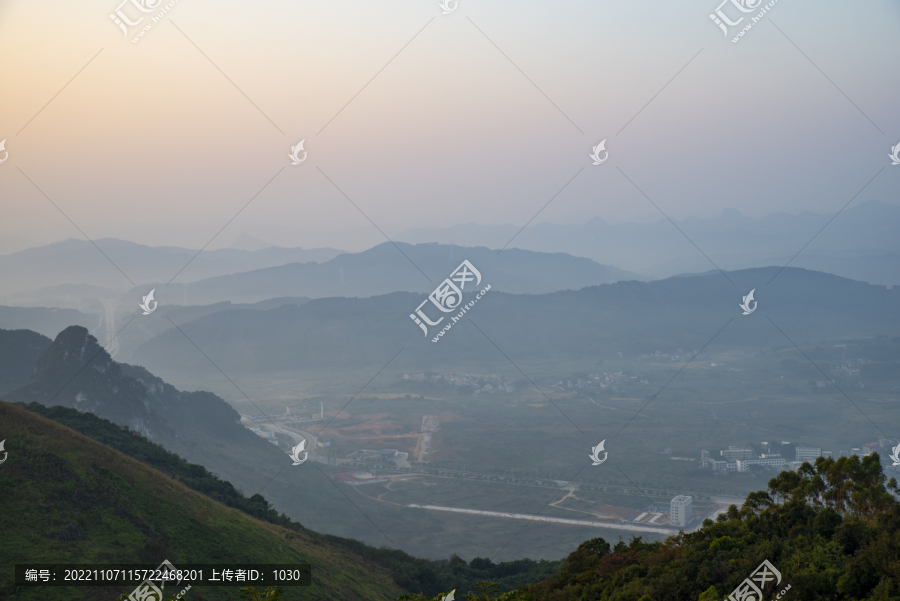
163	141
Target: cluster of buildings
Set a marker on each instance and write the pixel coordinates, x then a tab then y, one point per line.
848	369
781	457
602	381
399	457
740	459
301	413
679	356
292	413
267	434
481	384
262	425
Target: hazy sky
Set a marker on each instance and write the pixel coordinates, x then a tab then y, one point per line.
151	141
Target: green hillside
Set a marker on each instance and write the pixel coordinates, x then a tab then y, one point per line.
194	476
69	499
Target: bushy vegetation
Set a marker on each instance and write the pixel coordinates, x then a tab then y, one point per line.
429	577
832	529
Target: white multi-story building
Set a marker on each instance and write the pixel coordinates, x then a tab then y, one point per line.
808	453
723	466
733	453
743	465
680	510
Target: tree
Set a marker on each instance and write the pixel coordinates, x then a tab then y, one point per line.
832	529
272	593
710	594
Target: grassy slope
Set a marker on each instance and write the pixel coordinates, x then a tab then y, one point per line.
128	513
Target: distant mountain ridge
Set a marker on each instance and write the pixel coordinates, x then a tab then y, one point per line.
78	262
596	321
849	246
48	321
390	268
130	338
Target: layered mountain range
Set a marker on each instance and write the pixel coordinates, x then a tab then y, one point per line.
78	265
858	243
797	306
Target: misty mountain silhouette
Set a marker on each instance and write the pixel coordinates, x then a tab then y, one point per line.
384	269
77	262
19	350
626	316
48	321
850	246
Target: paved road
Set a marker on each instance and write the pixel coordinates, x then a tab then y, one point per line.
625	489
730	500
298	435
541	518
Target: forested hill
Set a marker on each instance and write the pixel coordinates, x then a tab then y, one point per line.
831	530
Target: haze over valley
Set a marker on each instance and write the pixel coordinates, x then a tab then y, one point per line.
493	301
